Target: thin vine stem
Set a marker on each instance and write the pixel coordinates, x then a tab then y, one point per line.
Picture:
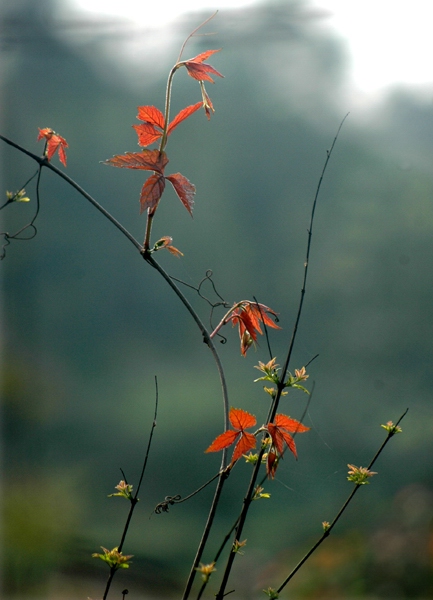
342	509
134	499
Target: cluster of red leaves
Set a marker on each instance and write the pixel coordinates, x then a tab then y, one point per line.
152	129
280	432
151	192
153	124
248	317
54	142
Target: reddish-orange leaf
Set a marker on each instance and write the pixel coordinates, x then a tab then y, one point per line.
248	317
290	424
149	160
151	192
62	153
240	419
200	71
147	134
184	189
224	440
243	319
246	443
182	115
277	438
151	115
280	432
54	142
203	56
271	463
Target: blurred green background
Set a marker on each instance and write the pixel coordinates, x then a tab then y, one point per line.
86	325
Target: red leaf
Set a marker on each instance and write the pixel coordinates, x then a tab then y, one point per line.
240	419
290	424
182	115
200	71
248	317
203	56
271	464
152	115
184	189
148	160
277	438
147	134
54	142
224	440
151	192
62	153
247	442
280	432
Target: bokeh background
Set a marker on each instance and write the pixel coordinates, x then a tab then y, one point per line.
86	325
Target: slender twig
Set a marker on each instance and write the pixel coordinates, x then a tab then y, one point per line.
342	509
134	499
193	33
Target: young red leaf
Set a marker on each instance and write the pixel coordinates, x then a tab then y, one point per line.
147	134
280	431
153	122
148	160
184	189
248	317
271	463
151	192
240	419
207	102
182	115
198	69
224	440
54	142
292	425
246	443
175	251
166	242
152	115
203	56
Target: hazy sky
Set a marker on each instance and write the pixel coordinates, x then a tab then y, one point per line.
388	42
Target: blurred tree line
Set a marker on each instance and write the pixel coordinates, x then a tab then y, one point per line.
86	325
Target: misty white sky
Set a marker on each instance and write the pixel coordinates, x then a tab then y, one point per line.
388	42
